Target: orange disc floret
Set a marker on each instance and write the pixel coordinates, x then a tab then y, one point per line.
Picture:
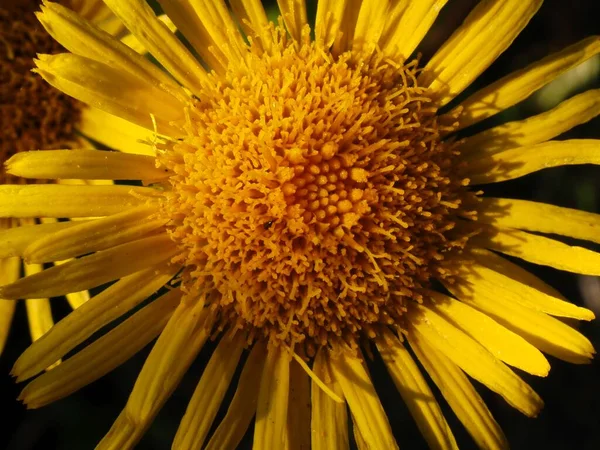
313	194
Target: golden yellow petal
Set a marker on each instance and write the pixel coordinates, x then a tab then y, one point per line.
546	333
208	395
270	428
474	359
85	164
112	90
536	129
330	14
345	38
103	355
415	392
16	239
369	25
10	270
94	235
460	394
516	162
329	420
540	250
519	85
298	423
499	341
350	372
177	346
94	270
407	24
132	42
361	443
155	36
253	20
232	428
103	308
294	16
76	299
84	39
489	29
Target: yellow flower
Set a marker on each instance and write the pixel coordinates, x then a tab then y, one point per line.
302	202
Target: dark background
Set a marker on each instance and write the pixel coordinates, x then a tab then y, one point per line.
571	417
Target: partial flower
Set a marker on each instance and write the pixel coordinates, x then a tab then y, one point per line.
304	203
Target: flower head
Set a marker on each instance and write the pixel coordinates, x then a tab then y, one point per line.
302	202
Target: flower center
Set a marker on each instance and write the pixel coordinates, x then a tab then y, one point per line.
33	114
313	196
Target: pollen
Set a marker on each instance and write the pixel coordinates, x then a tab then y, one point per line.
313	195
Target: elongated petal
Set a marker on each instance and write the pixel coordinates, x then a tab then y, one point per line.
112	90
294	16
536	129
155	36
103	355
177	346
416	394
16	239
370	25
94	235
270	428
253	20
371	420
84	164
51	200
76	299
209	393
298	424
132	42
499	341
330	14
406	30
460	395
110	304
345	38
516	162
474	359
243	406
488	30
547	333
540	217
329	420
84	39
93	270
10	270
541	250
517	86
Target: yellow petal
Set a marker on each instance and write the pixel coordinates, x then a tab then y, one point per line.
85	164
474	359
253	20
76	299
516	162
540	217
84	39
16	239
177	346
460	395
294	16
519	85
415	392
371	419
330	14
499	341
103	355
369	26
329	420
208	395
232	428
270	428
51	200
407	25
345	38
103	308
94	270
155	36
536	129
488	30
94	235
540	250
115	132
298	423
361	443
132	42
112	90
10	270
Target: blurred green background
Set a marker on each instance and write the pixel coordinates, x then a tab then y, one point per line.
571	418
